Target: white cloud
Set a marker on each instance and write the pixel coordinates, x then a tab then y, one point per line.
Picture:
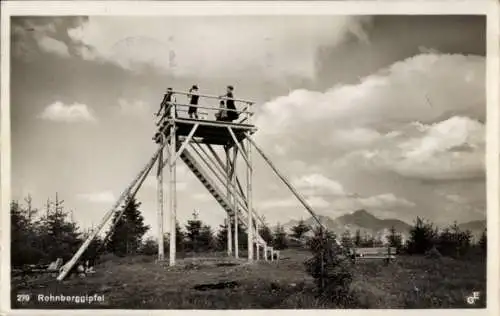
357	137
51	45
386	121
271	45
292	203
40	29
317	183
385	200
42	35
98	197
60	112
388	99
317	202
133	108
448	150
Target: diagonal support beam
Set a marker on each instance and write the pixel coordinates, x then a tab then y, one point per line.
216	155
238	182
233	163
240	188
184	144
239	147
129	193
222	169
218	160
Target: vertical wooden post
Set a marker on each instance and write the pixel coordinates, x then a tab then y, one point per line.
229	228
172	186
233	202
272	254
265	252
257	244
249	168
159	175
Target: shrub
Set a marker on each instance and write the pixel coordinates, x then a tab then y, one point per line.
423	237
330	269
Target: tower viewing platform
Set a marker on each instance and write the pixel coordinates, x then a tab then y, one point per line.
211	126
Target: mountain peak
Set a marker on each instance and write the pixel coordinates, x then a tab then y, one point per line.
362	215
362	212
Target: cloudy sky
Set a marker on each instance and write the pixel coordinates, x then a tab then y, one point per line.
384	113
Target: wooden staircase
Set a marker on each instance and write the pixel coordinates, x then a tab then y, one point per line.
218	194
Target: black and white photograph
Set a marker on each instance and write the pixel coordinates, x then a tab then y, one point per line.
191	161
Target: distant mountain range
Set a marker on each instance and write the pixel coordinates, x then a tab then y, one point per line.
368	223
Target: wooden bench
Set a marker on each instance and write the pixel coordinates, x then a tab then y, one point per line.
385	253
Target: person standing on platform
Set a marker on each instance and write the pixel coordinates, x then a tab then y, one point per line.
166	104
231	115
193	100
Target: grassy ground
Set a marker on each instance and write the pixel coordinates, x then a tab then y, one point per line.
419	282
139	283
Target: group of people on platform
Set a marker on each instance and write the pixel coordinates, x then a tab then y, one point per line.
227	112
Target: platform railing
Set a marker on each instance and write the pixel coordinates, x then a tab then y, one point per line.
180	109
210	96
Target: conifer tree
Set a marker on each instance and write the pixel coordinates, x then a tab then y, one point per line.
422	237
357	238
300	229
394	239
60	236
126	237
193	229
206	239
483	242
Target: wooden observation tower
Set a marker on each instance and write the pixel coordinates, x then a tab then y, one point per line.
210	148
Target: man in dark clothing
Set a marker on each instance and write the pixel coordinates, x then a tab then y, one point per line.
193	110
232	115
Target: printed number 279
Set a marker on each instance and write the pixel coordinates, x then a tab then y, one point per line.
23	298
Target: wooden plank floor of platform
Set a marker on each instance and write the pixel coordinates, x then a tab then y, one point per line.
211	132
